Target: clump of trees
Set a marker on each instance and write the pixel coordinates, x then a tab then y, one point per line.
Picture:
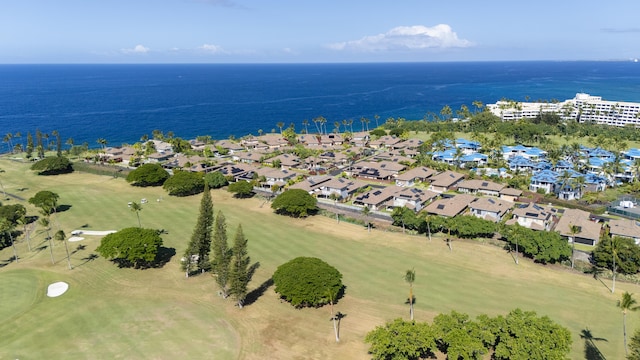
241	189
296	203
148	175
519	335
53	165
542	246
184	183
307	282
133	246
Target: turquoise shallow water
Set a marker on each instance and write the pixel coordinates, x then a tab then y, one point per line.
122	102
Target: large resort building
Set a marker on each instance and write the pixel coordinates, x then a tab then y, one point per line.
584	108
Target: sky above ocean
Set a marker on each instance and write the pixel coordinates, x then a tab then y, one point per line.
258	31
123	102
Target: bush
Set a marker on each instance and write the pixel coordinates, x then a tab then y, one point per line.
148	175
184	183
307	282
53	165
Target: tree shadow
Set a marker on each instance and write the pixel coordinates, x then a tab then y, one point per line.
596	272
88	258
62	208
256	293
163	256
79	248
591	351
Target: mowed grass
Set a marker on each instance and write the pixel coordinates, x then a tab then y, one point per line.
111	313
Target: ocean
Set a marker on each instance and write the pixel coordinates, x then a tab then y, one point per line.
120	103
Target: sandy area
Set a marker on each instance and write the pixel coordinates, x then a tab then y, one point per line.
92	232
75	238
57	289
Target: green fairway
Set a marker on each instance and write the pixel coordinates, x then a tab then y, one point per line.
111	313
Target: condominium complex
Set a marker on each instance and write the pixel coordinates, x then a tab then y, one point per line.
583	107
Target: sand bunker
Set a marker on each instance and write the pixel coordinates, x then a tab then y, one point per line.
75	238
92	232
57	289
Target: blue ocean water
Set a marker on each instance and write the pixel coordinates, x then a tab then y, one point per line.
122	102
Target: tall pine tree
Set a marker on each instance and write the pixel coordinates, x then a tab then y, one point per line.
239	272
221	254
200	244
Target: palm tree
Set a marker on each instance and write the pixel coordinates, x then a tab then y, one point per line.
44	222
410	277
627	303
366	212
102	142
332	295
574	230
305	123
615	246
280	125
136	208
22	220
2	186
7	227
60	236
7	138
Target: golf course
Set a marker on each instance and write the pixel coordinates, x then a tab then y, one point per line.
157	313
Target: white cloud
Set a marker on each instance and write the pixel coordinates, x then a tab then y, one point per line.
213	49
138	49
406	38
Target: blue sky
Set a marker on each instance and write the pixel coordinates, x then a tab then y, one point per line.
249	31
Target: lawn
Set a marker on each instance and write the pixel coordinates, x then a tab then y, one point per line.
157	313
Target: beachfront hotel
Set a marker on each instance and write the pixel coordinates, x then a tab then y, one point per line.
583	107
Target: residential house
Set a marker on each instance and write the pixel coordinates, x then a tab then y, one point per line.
383	170
545	181
625	228
386	141
341	187
510	194
413	198
311	184
533	216
587	231
445	181
287	161
231	146
275	177
413	176
378	198
450	206
490	209
482	187
248	157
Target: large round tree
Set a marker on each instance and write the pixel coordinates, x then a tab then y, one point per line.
184	183
295	202
134	246
307	282
148	175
